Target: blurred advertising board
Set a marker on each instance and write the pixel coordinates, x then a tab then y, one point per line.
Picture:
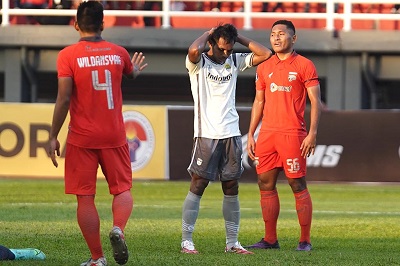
356	146
24	132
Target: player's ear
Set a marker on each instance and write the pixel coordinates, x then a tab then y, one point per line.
76	26
102	26
294	38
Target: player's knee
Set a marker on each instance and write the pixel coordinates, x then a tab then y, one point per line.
198	185
230	187
297	184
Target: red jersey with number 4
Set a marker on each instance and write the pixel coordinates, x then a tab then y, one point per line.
285	83
97	68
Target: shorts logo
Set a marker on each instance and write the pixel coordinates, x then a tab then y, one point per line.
199	161
140	137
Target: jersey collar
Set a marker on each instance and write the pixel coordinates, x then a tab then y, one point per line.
290	59
91	39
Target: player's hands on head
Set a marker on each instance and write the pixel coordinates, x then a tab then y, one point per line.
53	150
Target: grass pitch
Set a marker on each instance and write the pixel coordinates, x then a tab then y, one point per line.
352	224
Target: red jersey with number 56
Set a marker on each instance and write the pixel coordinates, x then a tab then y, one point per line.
96	68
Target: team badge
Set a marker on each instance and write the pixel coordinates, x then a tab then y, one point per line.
292	76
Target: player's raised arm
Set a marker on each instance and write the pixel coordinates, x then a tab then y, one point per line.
261	53
198	46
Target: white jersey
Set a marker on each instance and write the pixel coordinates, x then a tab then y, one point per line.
213	88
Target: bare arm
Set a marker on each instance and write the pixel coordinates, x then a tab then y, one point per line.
138	65
60	113
198	46
261	53
309	143
255	118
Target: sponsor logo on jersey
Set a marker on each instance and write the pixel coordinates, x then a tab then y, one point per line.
219	79
140	137
274	88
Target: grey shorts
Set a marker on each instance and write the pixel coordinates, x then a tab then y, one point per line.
212	158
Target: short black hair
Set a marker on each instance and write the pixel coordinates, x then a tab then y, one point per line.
287	23
228	32
90	16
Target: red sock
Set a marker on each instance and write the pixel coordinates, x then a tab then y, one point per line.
304	214
122	208
270	208
89	222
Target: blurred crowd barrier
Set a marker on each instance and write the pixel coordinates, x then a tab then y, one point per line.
250	14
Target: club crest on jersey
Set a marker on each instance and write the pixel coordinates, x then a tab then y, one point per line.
199	161
227	66
292	76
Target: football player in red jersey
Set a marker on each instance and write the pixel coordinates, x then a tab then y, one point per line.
89	87
282	85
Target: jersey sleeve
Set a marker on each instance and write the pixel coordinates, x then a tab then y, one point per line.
310	75
244	60
128	66
260	81
192	67
64	68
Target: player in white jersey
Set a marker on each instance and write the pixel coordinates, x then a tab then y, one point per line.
217	148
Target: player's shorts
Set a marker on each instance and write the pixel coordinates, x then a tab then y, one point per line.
217	158
81	166
276	150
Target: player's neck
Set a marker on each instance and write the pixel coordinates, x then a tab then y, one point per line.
91	38
284	56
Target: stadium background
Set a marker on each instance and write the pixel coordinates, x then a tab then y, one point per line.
358	136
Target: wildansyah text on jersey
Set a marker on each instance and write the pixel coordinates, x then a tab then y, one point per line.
100	60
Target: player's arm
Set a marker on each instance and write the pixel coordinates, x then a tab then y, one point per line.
198	46
309	143
261	53
60	113
138	65
255	118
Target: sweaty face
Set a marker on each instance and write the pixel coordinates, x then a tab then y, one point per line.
222	50
282	39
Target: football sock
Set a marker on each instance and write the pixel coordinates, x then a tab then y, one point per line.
6	254
190	211
28	254
122	208
89	223
231	212
270	208
304	214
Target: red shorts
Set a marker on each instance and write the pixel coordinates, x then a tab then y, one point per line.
276	150
81	166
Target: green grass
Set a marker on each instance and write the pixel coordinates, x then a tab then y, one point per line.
352	224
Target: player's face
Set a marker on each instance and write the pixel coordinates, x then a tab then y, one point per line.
222	50
282	39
